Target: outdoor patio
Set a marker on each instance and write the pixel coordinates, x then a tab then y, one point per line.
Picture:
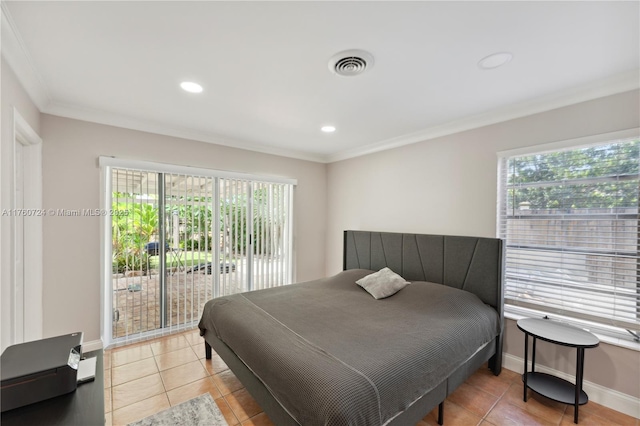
136	298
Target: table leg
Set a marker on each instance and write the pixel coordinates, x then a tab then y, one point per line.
526	361
533	355
579	373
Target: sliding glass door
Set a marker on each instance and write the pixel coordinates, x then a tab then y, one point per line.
178	240
134	263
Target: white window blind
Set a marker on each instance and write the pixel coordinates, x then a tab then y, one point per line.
256	239
570	223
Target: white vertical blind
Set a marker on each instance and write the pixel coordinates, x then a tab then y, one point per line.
234	253
271	234
256	240
571	226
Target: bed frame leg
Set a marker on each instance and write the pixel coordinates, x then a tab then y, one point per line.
495	362
441	413
207	350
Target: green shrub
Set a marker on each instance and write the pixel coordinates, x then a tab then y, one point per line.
202	244
128	260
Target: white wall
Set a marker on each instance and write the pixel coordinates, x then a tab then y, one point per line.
13	96
72	181
448	185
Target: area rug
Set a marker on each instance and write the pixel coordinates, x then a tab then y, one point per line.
201	410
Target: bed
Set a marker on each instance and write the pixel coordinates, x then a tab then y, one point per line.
325	352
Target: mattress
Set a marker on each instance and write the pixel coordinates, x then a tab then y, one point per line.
331	354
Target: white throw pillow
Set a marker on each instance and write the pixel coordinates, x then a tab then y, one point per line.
383	283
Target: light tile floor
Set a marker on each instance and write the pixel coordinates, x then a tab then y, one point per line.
151	376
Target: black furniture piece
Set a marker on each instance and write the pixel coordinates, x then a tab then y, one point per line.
545	384
83	407
30	376
153	249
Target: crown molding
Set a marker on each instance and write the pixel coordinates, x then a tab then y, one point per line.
123	121
17	56
610	86
617	84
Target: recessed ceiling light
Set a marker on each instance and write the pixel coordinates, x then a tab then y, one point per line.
190	86
328	129
495	60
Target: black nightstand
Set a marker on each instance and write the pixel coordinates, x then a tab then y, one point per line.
83	407
545	384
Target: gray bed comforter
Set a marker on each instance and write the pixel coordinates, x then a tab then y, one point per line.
331	354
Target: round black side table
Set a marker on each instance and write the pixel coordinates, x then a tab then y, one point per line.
545	384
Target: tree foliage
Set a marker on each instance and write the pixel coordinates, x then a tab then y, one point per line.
193	227
595	177
131	230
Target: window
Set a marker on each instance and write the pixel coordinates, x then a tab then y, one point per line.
569	218
181	236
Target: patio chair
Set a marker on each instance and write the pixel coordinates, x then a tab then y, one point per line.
153	249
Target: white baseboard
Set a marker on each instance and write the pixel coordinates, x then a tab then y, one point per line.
613	399
93	345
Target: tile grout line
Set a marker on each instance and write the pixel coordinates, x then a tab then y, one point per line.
209	377
234	419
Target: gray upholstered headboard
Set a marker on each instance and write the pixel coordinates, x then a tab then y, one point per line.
470	263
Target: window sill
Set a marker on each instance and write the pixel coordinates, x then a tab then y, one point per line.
515	313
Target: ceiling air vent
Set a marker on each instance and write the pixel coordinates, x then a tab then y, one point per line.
350	62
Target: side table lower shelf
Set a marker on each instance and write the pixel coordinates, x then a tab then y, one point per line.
554	388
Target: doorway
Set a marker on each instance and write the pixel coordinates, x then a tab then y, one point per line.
26	215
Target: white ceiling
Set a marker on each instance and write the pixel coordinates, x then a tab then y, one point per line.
267	86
